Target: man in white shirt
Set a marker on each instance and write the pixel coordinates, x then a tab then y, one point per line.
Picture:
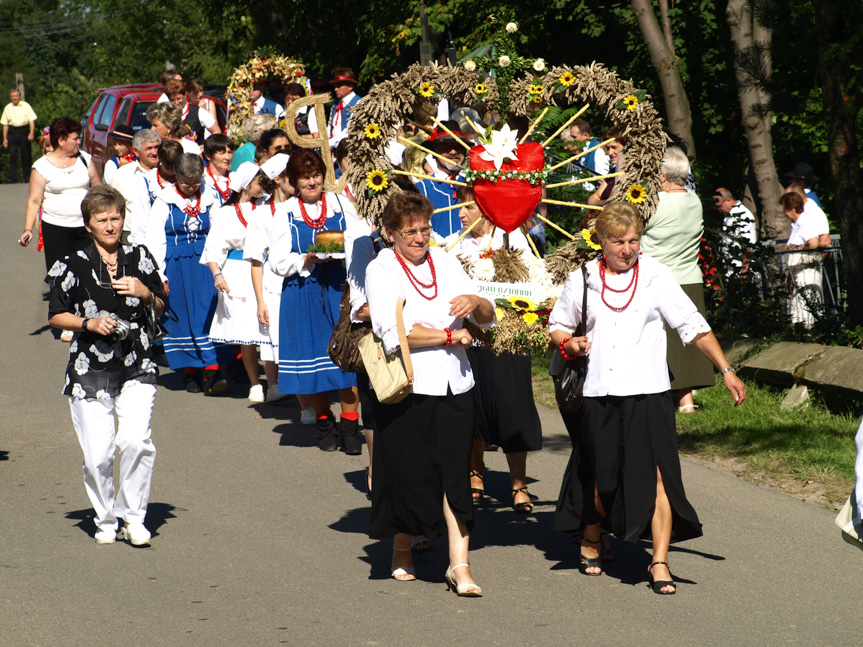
344	82
150	184
261	105
814	213
738	231
19	129
128	179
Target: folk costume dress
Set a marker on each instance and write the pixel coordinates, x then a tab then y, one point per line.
625	429
236	317
176	236
259	236
423	443
506	413
311	297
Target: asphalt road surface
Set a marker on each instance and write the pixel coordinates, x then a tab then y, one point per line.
259	538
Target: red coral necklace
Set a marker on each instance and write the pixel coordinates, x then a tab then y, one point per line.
415	282
318	222
227	192
240	214
191	211
633	283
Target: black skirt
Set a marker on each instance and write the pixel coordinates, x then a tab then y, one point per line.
505	410
422	451
617	444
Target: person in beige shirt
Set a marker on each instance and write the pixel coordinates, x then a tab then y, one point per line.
19	128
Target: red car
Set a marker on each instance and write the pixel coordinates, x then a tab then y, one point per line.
127	105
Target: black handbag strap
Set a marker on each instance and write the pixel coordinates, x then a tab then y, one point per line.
581	329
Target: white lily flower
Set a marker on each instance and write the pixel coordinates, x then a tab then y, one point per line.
502	145
470	66
511	27
539	65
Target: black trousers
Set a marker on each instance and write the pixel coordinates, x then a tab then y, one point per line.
62	241
18	142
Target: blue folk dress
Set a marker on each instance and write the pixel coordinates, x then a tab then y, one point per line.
311	296
176	239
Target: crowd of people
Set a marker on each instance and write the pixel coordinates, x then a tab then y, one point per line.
213	256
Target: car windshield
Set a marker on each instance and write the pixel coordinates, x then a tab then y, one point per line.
139	115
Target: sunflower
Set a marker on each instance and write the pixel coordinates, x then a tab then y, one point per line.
376	180
537	98
372	131
530	318
535	89
587	237
522	305
567	78
631	102
426	89
480	89
636	194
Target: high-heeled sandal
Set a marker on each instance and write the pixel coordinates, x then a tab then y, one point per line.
522	508
477	492
400	573
657	585
585	563
465	589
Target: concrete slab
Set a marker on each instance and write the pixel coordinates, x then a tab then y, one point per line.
778	364
837	369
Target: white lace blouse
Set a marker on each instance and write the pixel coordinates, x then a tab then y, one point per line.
627	354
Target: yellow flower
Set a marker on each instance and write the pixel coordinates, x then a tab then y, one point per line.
376	180
530	318
426	89
636	194
522	305
480	89
567	79
537	98
587	237
631	102
535	89
372	131
499	313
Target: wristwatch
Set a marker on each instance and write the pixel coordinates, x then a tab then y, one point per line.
726	369
85	323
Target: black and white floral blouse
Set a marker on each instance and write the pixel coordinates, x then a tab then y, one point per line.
99	366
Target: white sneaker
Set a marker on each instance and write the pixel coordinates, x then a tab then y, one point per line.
135	533
256	394
106	536
307	417
273	394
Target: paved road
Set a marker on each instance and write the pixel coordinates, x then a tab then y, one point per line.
259	538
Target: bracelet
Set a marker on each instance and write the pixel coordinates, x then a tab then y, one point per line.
215	276
726	369
448	336
260	302
563	352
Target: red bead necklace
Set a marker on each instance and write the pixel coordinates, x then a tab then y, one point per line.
633	283
272	207
414	281
159	179
191	211
318	222
227	192
240	214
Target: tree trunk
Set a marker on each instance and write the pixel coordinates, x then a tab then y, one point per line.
746	35
667	66
841	106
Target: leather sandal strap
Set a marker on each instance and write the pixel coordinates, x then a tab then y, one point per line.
657	564
401	550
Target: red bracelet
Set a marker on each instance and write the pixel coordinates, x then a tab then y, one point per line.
563	352
448	336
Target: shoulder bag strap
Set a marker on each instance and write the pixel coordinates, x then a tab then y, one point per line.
582	324
403	340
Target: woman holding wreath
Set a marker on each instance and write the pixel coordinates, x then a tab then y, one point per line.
624	471
420	480
101	294
309	307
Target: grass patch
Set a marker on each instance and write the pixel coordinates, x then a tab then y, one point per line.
543	386
807	443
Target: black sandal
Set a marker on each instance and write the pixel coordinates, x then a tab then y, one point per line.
522	508
589	562
657	585
477	492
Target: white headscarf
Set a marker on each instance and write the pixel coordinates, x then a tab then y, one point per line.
275	165
243	176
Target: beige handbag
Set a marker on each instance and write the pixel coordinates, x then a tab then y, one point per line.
852	528
391	380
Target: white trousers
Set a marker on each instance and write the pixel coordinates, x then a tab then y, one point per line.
94	424
858	470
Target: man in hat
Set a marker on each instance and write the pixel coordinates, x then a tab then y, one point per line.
442	194
344	82
804	175
738	231
120	140
19	129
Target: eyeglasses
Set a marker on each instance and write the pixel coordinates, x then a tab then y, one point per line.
425	232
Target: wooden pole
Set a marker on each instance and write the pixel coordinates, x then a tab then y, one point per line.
571	204
423	176
584	179
568	121
551	224
533	125
455	206
581	154
424	149
466	232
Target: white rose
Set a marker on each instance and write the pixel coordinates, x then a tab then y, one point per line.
539	65
470	66
78	391
504	61
511	27
58	269
82	364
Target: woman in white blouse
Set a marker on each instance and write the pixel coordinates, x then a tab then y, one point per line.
422	444
624	472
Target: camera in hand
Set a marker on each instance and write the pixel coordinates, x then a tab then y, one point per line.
121	328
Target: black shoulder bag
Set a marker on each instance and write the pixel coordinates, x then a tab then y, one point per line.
569	382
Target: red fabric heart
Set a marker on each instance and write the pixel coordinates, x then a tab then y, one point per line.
508	204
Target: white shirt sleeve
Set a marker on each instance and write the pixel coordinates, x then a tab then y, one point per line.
110	170
382	292
207	120
313	121
567	311
601	162
677	309
140	211
216	247
156	241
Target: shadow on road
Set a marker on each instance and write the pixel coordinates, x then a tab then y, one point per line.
157	516
4	455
